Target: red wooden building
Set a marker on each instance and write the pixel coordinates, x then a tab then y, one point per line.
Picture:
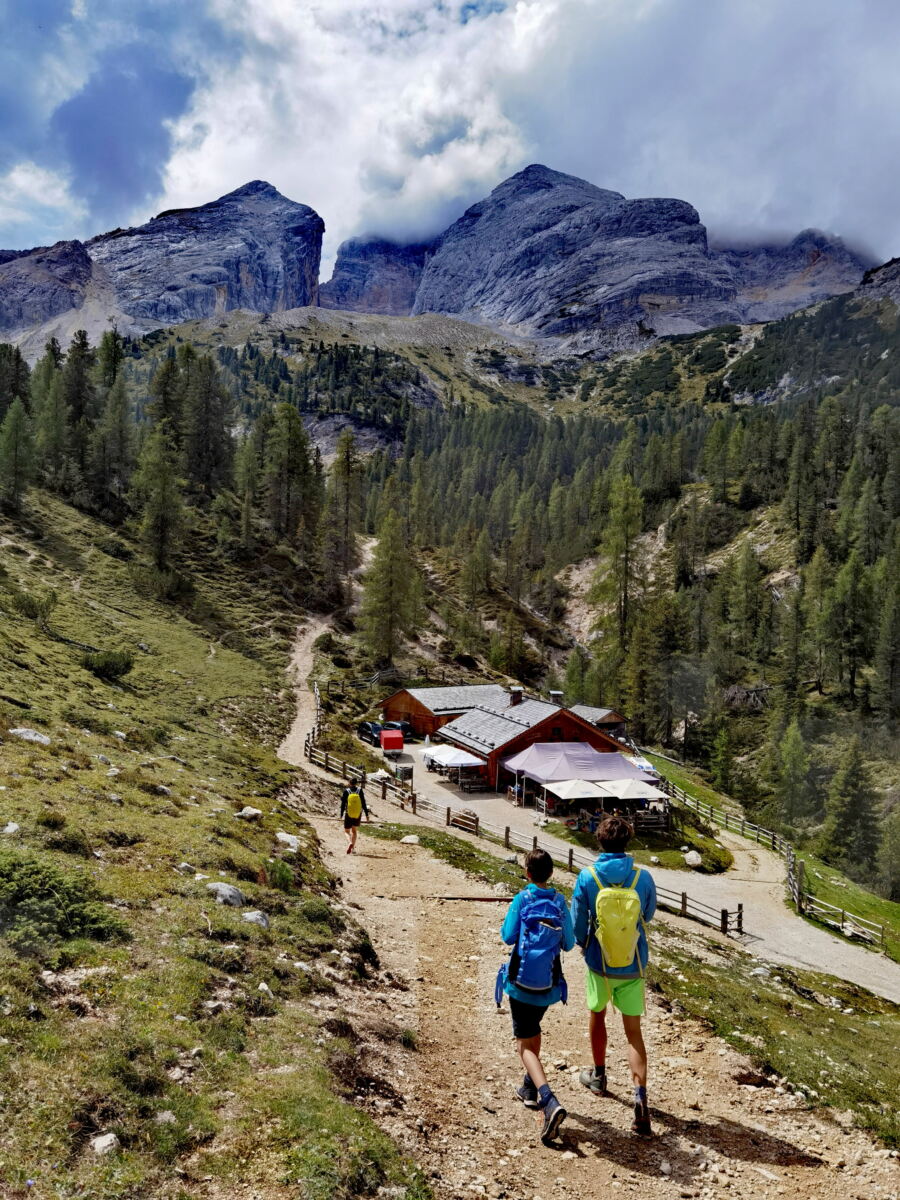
494	734
427	709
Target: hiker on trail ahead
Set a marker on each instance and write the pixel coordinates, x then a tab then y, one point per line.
538	927
611	905
353	805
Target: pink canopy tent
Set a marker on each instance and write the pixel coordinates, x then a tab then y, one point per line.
549	762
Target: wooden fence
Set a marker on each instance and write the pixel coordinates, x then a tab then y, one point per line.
848	923
574	861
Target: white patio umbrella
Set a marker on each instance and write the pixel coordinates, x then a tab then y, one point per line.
576	789
631	789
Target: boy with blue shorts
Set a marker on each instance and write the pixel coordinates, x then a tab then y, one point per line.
624	986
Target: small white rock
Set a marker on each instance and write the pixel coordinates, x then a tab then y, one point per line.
30	735
167	1117
10	827
106	1143
410	840
248	813
288	839
693	859
255	917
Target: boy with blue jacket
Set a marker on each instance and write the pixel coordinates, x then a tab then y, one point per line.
624	986
526	1007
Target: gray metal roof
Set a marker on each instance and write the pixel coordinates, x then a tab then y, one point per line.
484	728
458	699
591	714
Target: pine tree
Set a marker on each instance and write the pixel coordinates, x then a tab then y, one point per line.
850	836
16	456
110	356
618	577
167	391
53	434
889	856
112	453
793	776
886	692
207	440
80	396
14	378
344	500
157	496
289	479
389	596
721	760
851	618
818	579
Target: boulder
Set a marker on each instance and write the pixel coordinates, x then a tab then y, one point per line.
30	735
410	840
290	840
693	859
249	814
256	917
227	893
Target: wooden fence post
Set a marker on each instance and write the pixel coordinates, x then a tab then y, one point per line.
384	789
684	904
534	843
571	864
477	823
740	918
343	770
724	920
743	827
774	836
506	837
327	762
448	814
413	799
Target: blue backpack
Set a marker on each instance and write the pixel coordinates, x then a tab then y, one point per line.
535	964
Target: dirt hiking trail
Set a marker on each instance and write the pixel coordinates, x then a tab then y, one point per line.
455	1111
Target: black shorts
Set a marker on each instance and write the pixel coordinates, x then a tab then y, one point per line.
352	822
526	1018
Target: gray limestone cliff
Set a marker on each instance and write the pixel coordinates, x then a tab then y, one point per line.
36	285
550	255
376	276
251	249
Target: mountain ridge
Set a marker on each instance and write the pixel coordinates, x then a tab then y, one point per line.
545	255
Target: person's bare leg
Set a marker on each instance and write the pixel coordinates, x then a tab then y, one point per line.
530	1054
348	833
353	838
598	1037
637	1052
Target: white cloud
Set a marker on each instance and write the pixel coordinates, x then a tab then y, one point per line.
392	115
29	193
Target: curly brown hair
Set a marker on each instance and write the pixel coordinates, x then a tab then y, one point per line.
614	833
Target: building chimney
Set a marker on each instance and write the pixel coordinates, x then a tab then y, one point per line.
515	696
556	698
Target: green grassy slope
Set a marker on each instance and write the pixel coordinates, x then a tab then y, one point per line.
132	1003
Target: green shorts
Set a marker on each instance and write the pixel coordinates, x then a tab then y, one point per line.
627	996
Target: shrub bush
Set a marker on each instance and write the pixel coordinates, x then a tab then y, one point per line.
108	664
42	906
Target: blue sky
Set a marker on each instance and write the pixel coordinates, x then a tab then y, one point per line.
391	116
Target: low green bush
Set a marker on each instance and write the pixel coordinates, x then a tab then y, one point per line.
108	664
42	906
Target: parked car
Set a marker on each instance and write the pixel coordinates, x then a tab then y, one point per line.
404	726
369	731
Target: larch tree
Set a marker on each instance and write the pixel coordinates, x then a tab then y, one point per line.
851	833
793	775
617	579
156	495
389	598
16	456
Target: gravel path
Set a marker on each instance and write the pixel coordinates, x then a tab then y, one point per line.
456	1113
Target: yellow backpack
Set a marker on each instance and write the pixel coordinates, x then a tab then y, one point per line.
617	921
354	805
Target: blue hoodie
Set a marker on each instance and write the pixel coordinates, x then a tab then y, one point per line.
510	934
614	870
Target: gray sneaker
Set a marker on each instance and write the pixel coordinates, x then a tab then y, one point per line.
594	1080
528	1094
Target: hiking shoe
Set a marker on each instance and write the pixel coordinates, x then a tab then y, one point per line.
594	1080
554	1115
528	1094
641	1123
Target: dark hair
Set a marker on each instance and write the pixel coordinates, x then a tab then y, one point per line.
614	833
539	865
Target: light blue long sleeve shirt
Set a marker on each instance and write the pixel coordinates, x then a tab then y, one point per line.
510	934
614	870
